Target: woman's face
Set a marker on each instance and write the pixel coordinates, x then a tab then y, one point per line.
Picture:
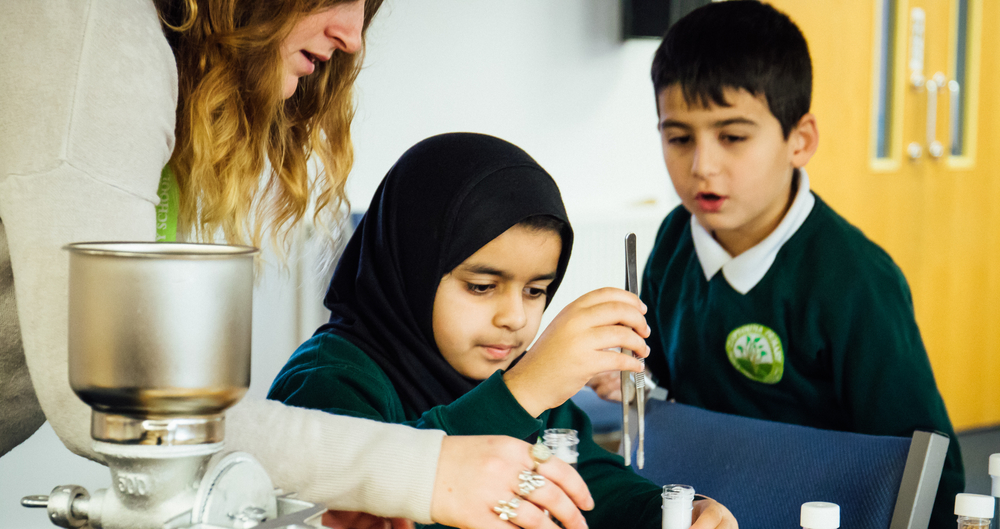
488	309
317	36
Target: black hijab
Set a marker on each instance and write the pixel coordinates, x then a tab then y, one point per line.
443	200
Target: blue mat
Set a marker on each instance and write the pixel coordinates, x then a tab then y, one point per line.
764	471
606	417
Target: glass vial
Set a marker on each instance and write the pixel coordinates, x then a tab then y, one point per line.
677	506
820	515
562	442
974	511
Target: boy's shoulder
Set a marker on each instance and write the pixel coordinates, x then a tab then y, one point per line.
826	250
836	250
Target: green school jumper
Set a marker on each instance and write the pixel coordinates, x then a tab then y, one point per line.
331	374
826	339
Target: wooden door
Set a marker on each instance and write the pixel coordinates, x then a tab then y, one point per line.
935	211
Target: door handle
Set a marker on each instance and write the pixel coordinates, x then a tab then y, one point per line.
916	64
934	147
955	125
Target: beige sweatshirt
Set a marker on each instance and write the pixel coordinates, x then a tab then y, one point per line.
88	90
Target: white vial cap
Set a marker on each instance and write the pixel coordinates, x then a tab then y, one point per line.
820	515
974	505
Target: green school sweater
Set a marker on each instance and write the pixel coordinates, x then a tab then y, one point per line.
826	339
329	373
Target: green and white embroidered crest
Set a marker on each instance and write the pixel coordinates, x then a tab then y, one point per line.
755	351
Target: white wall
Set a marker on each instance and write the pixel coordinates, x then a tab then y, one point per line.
549	75
552	76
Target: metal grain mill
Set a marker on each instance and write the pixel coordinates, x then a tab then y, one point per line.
159	348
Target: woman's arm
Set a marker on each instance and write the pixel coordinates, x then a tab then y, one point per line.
344	463
87	125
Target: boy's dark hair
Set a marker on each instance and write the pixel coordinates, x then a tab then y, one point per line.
737	44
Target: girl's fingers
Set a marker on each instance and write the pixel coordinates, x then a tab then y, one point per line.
614	361
608	295
615	313
610	337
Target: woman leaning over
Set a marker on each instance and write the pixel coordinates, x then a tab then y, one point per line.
96	102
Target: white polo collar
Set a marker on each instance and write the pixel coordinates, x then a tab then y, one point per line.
744	271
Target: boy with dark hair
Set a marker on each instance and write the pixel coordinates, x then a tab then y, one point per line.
763	301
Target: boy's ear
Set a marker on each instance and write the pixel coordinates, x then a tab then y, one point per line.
803	140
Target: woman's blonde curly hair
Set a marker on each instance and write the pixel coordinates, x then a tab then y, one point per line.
233	124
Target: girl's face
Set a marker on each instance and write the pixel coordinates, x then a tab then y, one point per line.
488	309
316	37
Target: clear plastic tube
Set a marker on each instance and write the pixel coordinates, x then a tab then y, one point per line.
678	502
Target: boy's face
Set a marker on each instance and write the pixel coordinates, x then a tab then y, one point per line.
488	309
732	166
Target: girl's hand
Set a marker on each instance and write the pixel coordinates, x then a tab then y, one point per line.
710	514
577	345
476	472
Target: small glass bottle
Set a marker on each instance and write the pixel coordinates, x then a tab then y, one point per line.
562	442
678	502
820	515
975	511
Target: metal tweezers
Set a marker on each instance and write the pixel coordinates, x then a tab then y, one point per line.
639	381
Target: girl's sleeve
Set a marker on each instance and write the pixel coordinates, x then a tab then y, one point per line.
489	409
621	497
329	374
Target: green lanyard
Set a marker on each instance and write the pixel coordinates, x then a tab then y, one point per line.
169	207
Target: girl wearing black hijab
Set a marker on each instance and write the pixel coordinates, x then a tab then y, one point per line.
434	302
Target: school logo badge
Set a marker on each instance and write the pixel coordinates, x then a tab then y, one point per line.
755	351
